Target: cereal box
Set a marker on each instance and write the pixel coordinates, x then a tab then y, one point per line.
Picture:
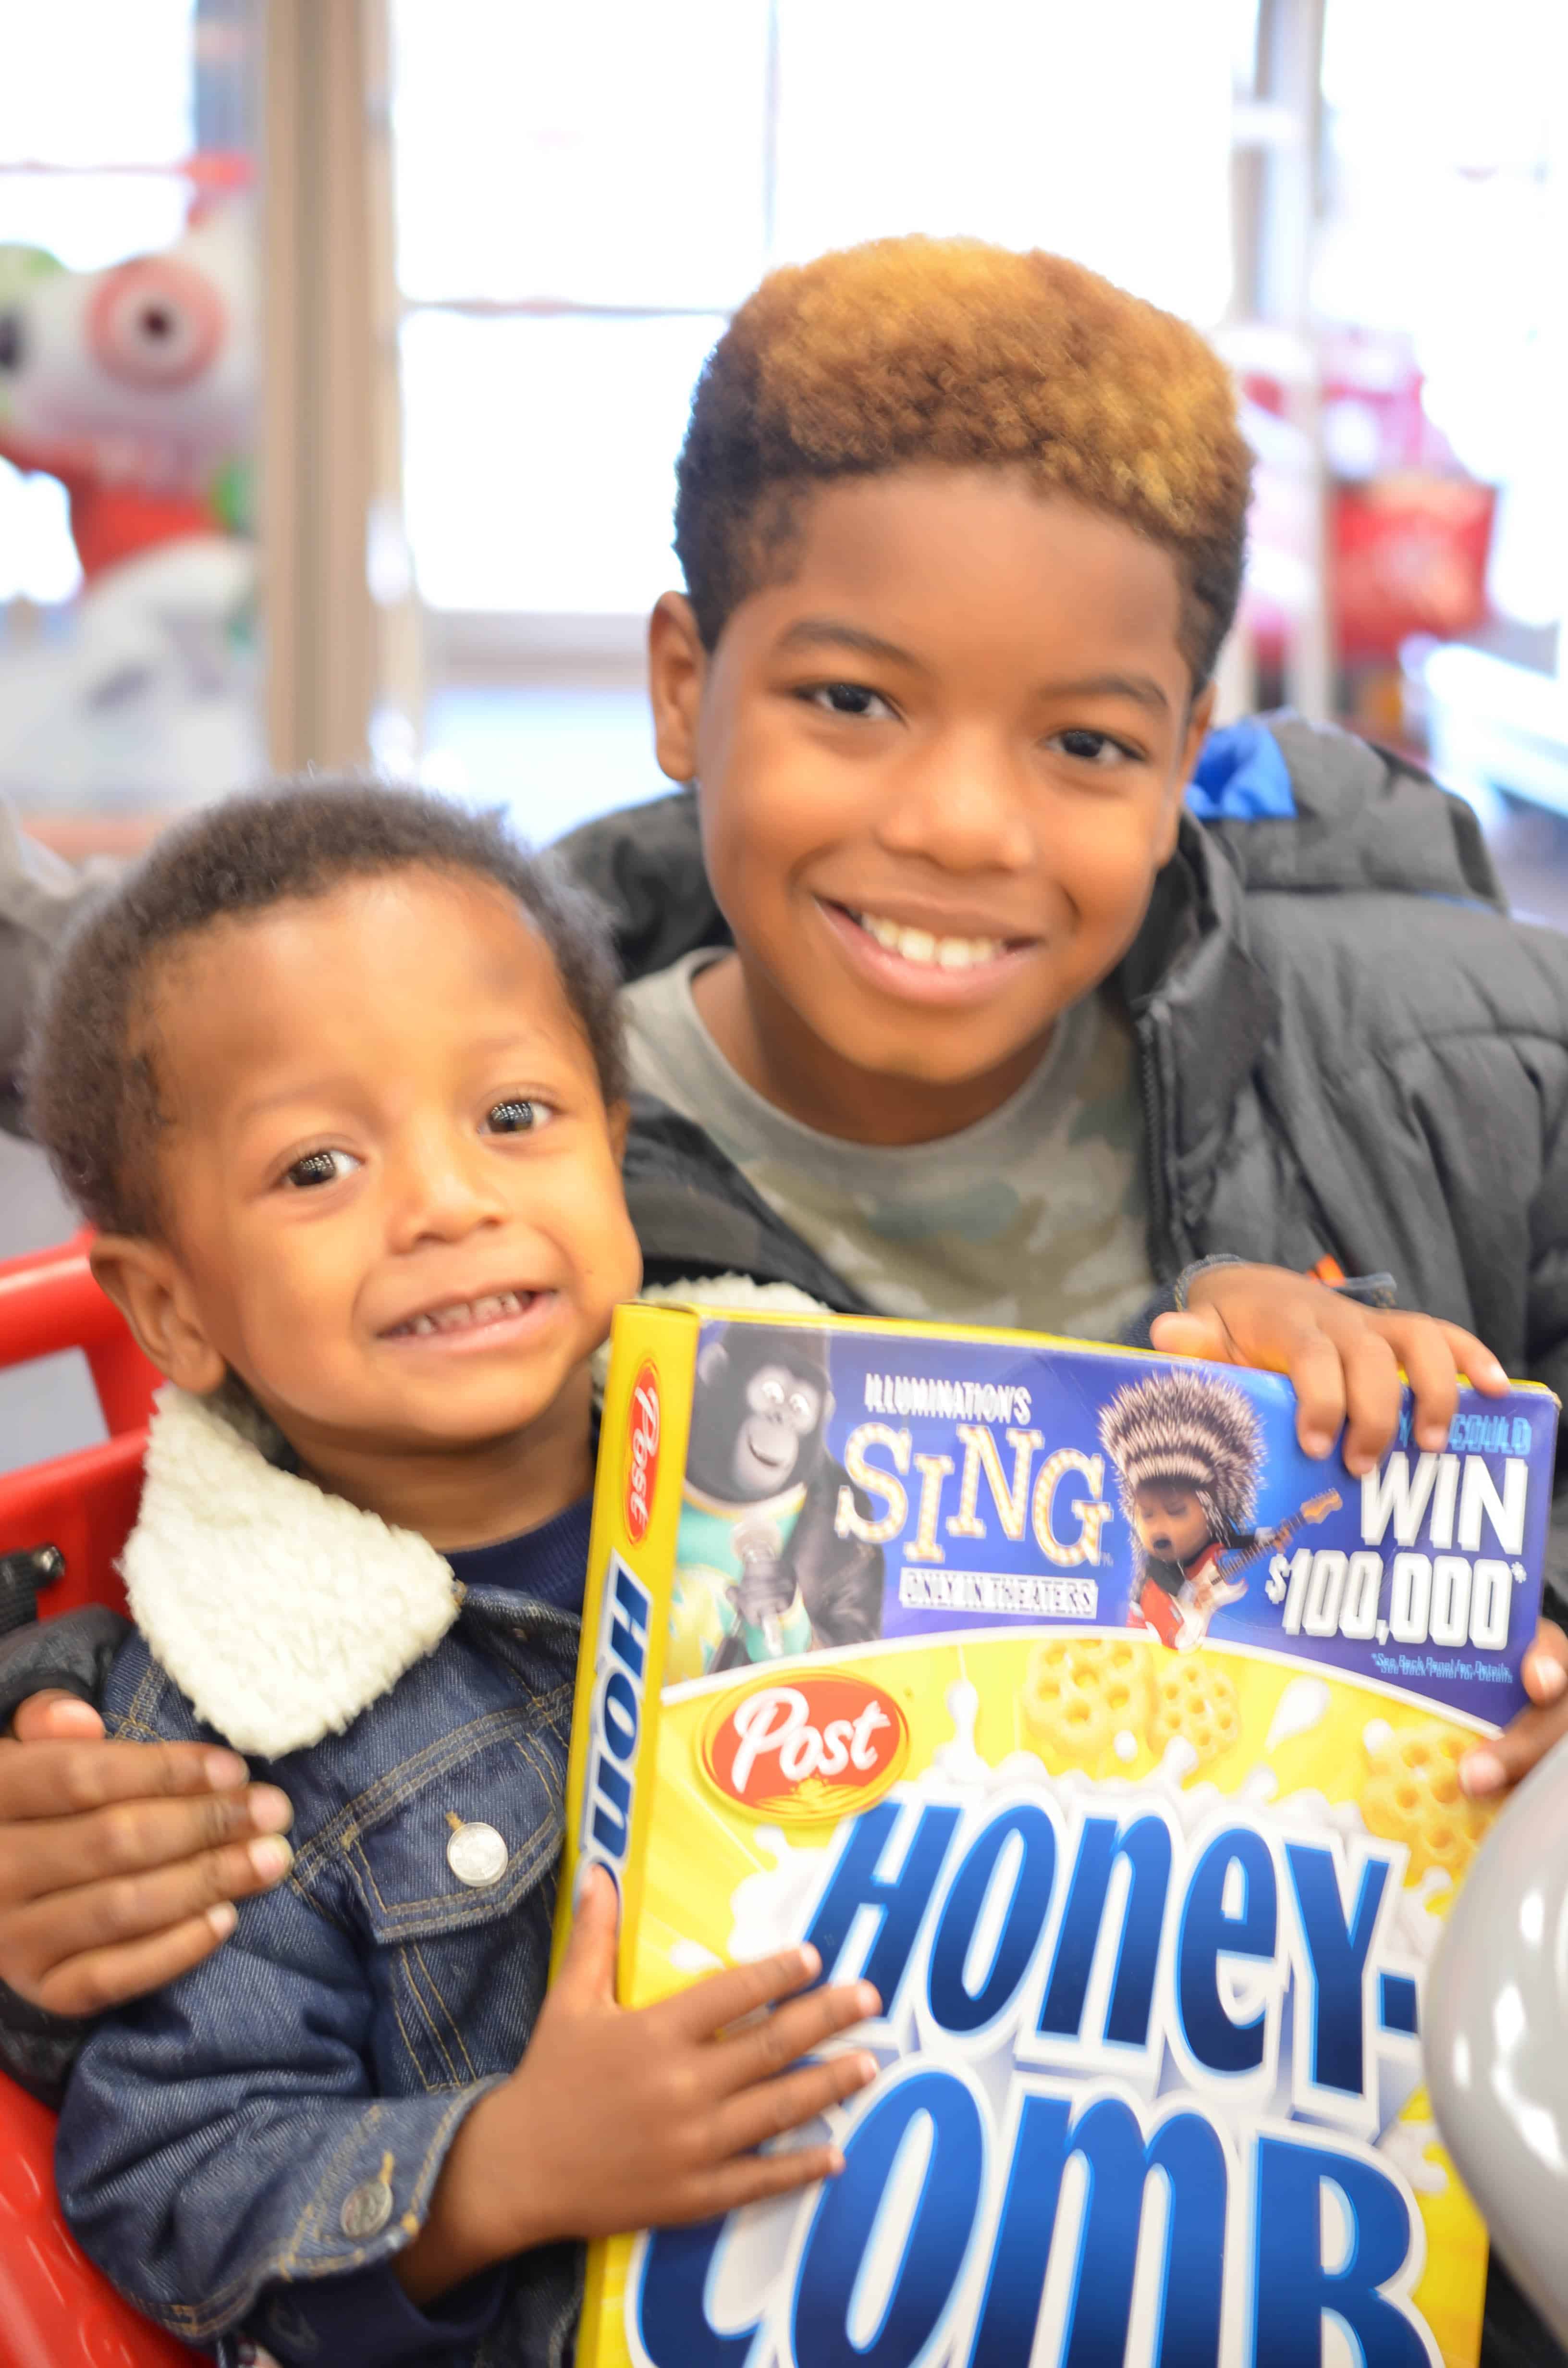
1055	1691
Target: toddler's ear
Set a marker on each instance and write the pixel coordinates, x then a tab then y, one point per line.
146	1285
619	1119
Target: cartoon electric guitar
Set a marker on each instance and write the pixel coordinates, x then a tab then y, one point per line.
1211	1581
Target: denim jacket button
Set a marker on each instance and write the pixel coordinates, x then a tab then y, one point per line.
367	2211
477	1855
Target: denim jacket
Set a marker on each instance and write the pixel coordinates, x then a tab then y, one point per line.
245	2152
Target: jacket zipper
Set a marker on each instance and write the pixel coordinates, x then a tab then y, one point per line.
1163	1258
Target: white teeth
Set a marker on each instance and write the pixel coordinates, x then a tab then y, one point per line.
920	946
464	1314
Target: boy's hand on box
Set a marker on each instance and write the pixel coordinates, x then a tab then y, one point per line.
1342	1359
1493	1766
618	2120
118	1862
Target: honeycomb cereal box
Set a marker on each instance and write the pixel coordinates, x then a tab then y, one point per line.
1054	1690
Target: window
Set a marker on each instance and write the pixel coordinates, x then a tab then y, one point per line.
582	195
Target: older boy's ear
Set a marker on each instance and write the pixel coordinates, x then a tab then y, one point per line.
147	1287
677	666
1200	717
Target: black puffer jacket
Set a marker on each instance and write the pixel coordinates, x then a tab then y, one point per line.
1348	1049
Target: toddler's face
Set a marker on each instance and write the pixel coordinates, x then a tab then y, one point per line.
392	1190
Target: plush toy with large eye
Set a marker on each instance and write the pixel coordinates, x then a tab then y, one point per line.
135	387
761	1570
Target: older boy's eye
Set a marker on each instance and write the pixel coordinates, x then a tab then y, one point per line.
848	698
320	1168
518	1118
1091	748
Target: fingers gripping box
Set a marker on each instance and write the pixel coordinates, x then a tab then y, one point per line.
1055	1691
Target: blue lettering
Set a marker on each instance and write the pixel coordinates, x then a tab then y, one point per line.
619	1712
1146	1847
629	1619
1186	2150
1294	2291
612	1808
900	1900
671	2301
1338	1957
1208	1933
955	2007
845	2224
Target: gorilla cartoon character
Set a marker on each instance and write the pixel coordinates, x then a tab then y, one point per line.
761	1570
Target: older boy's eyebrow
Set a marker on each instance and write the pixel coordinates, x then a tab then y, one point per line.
1142	687
823	633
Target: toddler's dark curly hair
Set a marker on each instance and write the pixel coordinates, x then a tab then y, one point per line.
918	350
93	1097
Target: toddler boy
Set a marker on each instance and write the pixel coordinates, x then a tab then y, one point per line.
336	1073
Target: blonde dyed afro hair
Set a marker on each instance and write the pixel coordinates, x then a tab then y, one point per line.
1181	1425
913	351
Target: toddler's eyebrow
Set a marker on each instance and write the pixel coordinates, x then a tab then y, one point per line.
299	1089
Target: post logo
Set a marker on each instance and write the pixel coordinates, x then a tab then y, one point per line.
642	1451
804	1752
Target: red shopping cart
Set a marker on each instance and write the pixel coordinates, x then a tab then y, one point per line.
61	1525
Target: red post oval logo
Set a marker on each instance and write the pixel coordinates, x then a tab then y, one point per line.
806	1748
642	1427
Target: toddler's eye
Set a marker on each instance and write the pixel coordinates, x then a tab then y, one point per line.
848	698
518	1118
320	1168
1091	748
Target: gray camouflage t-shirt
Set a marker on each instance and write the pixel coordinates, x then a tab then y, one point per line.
1035	1219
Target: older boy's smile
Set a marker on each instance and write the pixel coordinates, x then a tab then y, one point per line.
926	962
939	766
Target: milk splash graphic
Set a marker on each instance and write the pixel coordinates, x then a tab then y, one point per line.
771	1909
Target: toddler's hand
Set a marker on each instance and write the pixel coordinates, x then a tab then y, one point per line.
1492	1767
616	2120
1342	1359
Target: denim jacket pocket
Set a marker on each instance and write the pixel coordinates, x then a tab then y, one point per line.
449	1861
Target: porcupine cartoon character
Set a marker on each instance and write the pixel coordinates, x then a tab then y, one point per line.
761	1570
1188	1456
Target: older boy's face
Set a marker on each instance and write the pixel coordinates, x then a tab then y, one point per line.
938	769
390	1182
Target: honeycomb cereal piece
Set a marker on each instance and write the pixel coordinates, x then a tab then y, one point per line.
1411	1796
1079	1693
1195	1699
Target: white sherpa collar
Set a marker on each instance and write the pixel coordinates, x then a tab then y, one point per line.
282	1611
279	1611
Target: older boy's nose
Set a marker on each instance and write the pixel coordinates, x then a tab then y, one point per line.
962	806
